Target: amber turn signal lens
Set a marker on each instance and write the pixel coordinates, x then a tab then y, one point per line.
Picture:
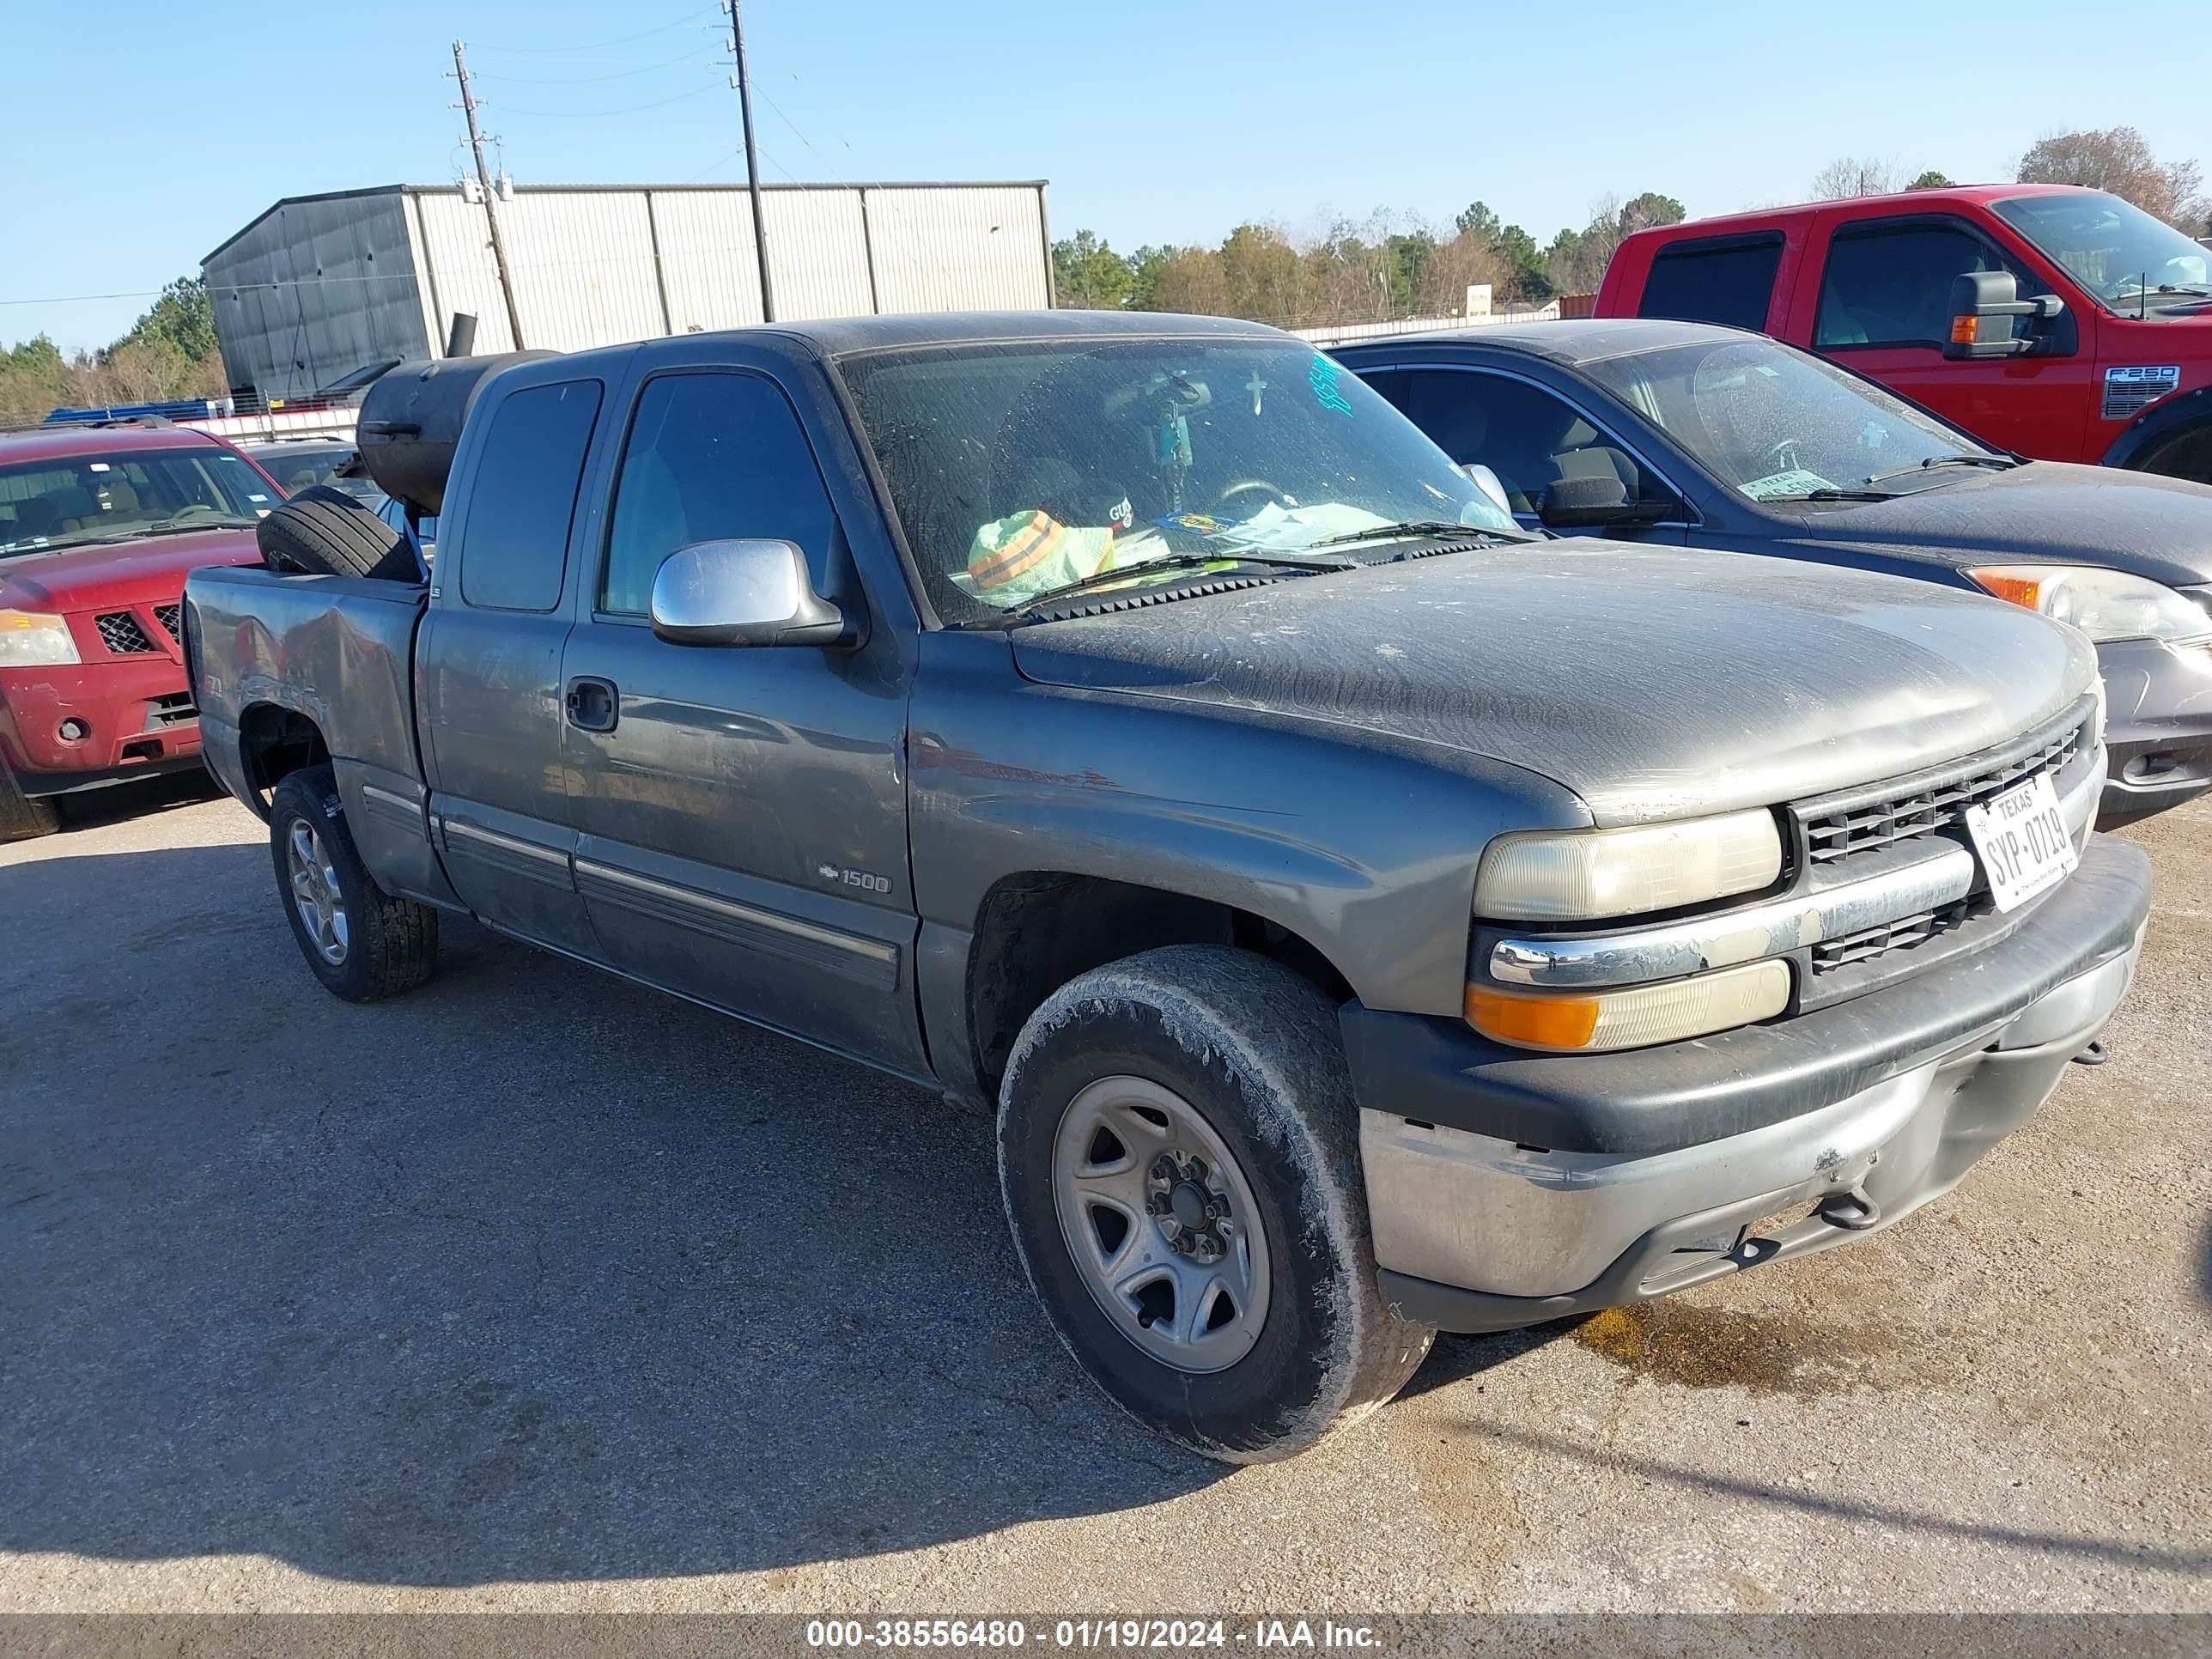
1532	1021
2018	589
1964	330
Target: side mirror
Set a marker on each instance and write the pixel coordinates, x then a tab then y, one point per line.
1983	304
1593	504
1491	485
742	592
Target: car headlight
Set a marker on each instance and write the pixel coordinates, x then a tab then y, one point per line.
2105	604
35	639
1585	875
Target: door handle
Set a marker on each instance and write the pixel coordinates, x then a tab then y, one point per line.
592	704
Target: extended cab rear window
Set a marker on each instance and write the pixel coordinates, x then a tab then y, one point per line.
1726	280
514	544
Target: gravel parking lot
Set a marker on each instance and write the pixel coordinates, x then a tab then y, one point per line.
535	1290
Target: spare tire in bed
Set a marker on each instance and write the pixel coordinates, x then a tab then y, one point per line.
326	532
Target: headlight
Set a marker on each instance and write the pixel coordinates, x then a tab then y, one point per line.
35	639
2105	604
1583	875
1633	1018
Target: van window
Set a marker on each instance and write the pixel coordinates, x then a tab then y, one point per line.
1889	282
712	457
1724	280
514	542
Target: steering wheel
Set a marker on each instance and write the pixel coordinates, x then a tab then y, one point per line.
1246	486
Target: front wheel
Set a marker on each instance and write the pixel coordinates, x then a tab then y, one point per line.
1178	1151
22	817
359	941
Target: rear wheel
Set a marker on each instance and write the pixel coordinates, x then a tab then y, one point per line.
22	818
1179	1157
359	941
324	531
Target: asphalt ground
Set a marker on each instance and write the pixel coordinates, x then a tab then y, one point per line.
534	1290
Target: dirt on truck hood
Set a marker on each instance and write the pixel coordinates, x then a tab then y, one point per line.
1652	681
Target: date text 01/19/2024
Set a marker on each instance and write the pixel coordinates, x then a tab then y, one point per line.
1099	1635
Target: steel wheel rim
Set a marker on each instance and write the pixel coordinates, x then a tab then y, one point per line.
316	895
1129	1148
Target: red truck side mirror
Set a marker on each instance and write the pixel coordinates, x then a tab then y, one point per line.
1983	304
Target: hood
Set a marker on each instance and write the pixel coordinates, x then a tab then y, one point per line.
109	574
1654	683
2147	526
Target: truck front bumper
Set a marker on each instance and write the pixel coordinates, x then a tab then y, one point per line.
80	726
1509	1189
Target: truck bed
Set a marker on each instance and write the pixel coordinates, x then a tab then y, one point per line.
338	654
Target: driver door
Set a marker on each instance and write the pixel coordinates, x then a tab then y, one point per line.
742	809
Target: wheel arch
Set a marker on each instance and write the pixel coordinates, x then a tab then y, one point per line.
275	741
1036	930
2169	420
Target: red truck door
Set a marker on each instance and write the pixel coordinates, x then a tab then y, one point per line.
1874	295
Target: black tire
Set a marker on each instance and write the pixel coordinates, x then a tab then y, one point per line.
22	818
390	945
326	532
1254	1050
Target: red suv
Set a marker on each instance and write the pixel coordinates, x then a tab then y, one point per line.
2052	321
98	526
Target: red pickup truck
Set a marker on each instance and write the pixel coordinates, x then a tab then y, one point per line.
2056	322
98	527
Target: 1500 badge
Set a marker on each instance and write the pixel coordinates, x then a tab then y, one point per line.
866	881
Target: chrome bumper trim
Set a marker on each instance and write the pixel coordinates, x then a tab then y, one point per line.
1918	875
1472	1212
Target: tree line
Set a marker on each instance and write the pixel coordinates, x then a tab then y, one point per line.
169	352
1389	266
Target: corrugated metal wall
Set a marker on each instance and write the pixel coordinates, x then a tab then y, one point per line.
978	249
314	289
598	266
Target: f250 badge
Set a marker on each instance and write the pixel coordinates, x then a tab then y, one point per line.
866	881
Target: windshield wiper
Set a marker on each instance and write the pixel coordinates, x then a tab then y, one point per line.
1827	495
1422	527
1177	562
142	531
2000	463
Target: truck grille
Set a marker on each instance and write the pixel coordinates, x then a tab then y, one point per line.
1924	812
120	633
1880	939
167	614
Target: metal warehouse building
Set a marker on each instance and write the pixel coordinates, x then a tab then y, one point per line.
319	286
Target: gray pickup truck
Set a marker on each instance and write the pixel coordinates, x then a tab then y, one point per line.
1363	916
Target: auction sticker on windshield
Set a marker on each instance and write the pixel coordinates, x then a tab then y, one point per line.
2023	841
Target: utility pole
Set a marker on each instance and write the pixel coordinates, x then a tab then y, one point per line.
753	160
491	215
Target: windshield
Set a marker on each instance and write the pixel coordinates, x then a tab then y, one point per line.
2122	255
295	466
1773	423
131	492
1018	469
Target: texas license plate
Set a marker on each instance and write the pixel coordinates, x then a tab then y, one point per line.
2023	841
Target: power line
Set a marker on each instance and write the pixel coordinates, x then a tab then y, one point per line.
591	80
601	45
586	114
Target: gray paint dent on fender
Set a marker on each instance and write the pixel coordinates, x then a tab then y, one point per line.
1363	842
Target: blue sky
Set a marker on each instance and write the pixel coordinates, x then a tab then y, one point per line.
138	142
